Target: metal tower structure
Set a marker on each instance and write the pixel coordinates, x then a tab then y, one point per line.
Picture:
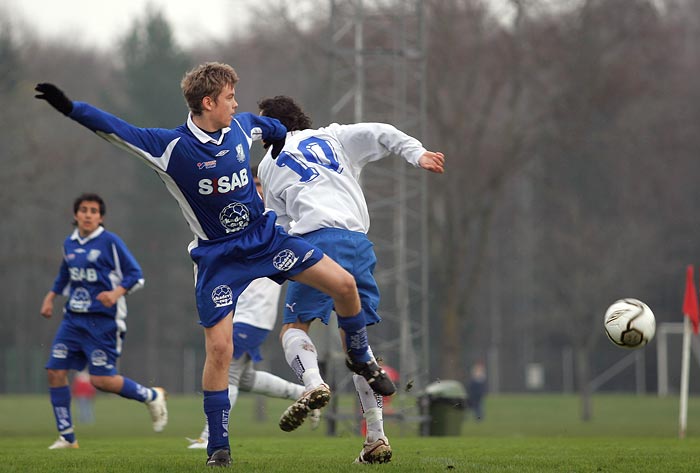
378	75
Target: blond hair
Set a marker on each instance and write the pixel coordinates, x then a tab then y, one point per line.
206	80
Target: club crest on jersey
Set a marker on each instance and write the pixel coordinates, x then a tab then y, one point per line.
59	351
93	255
98	358
221	153
209	164
80	300
240	154
222	296
284	260
234	217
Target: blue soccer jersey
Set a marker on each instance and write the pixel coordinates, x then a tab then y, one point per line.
209	176
94	264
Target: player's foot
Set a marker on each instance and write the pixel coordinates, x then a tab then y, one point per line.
158	409
197	443
378	451
376	377
220	458
295	414
63	443
314	418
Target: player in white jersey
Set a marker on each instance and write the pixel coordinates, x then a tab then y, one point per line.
313	186
205	165
96	273
254	318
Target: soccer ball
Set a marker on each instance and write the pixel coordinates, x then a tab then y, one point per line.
629	323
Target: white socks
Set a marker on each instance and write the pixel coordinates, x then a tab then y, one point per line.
274	386
300	353
371	404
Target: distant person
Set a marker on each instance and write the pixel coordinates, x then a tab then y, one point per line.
84	392
254	318
476	390
205	165
313	186
96	273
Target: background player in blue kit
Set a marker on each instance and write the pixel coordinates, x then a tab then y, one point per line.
96	273
205	165
313	186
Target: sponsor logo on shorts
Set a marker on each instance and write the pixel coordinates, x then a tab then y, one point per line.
290	307
59	351
284	260
234	217
222	296
98	358
307	255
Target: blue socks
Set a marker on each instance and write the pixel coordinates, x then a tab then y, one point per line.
133	390
355	330
216	408
60	400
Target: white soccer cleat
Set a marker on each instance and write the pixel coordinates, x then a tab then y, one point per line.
378	451
158	409
314	418
295	414
199	443
63	443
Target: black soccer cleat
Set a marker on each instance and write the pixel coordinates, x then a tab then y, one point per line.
220	458
376	377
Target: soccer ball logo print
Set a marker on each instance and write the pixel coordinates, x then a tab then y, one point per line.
234	217
80	300
222	296
284	260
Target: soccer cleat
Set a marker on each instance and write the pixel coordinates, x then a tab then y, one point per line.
376	377
63	443
378	451
197	443
295	414
314	418
158	409
221	458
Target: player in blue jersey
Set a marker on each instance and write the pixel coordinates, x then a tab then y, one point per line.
313	186
96	273
205	165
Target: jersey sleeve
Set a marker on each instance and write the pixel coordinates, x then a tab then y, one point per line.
367	142
261	128
127	266
61	284
151	145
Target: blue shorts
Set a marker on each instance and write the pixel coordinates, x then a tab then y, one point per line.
83	338
354	252
248	339
225	267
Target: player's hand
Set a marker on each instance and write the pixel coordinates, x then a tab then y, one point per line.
47	307
276	147
109	298
433	162
55	97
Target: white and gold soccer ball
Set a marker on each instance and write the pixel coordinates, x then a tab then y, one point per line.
629	323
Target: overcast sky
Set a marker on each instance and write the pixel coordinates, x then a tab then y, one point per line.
102	23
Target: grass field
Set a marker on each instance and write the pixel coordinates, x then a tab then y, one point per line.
522	433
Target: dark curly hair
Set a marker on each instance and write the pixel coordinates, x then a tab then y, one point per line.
286	110
89	197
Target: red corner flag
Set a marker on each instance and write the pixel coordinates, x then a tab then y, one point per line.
690	300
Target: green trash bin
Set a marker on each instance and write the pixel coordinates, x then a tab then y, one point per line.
443	403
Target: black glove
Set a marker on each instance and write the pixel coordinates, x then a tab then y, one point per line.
55	97
277	148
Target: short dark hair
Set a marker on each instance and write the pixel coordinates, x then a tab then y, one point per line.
286	110
89	197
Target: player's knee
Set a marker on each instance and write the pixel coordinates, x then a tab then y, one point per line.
220	350
57	378
346	287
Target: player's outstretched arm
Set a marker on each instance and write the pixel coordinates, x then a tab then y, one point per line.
55	97
432	161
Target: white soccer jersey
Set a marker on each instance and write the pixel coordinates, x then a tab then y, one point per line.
257	305
314	182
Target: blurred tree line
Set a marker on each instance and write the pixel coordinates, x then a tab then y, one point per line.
571	137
